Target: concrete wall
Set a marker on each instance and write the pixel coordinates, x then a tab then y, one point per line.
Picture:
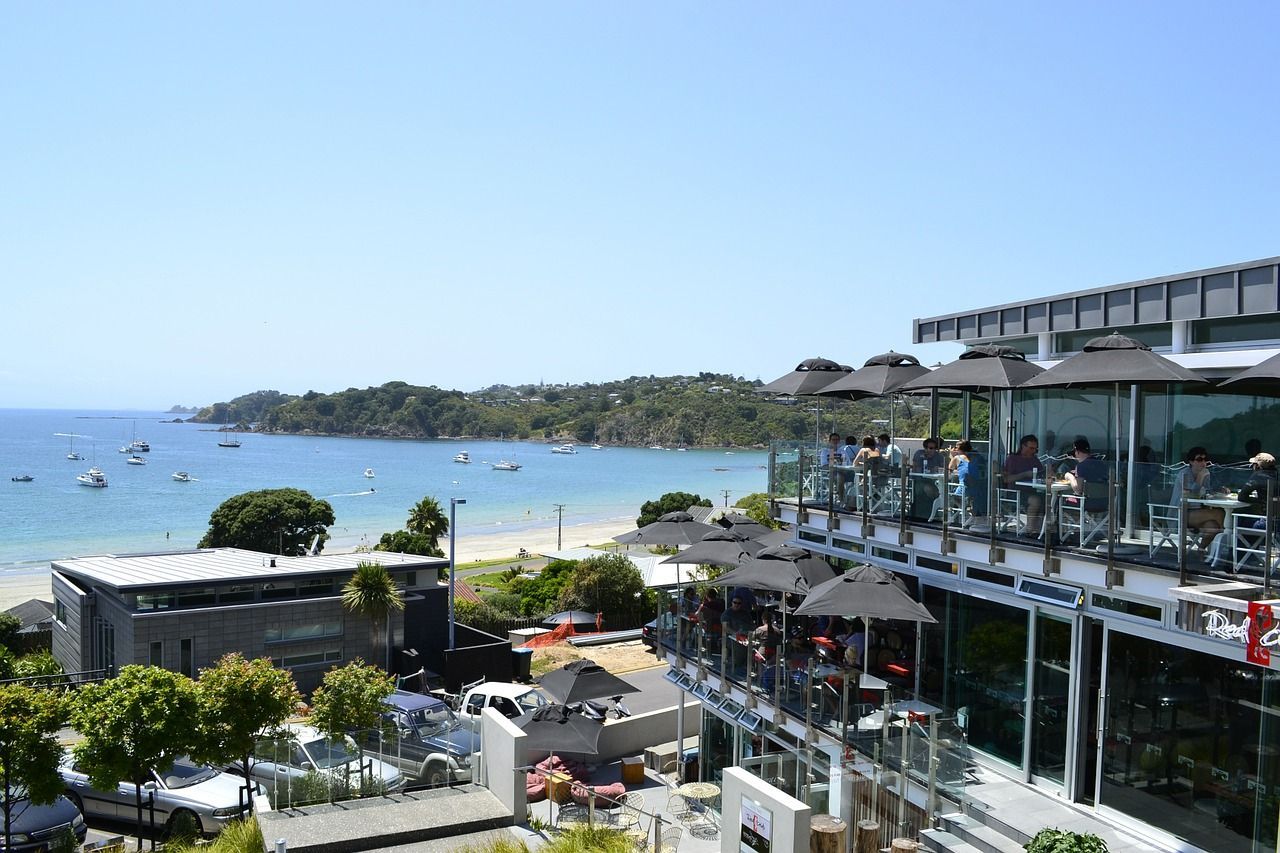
789	828
502	742
632	735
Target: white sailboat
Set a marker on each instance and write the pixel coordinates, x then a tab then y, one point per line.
71	453
225	441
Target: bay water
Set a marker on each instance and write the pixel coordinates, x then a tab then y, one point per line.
144	508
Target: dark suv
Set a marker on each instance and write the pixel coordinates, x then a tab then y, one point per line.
423	738
40	827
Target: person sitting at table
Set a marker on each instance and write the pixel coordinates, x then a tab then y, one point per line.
891	453
1254	491
1087	469
1025	466
849	450
926	460
737	619
1195	481
830	455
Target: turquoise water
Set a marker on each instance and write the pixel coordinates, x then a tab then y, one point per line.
143	508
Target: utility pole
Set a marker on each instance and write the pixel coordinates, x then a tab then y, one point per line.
559	523
724	493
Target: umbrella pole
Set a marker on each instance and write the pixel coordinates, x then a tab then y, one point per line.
994	553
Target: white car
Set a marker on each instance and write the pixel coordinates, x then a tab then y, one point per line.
509	699
301	765
210	797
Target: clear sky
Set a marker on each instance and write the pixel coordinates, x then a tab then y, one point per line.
201	200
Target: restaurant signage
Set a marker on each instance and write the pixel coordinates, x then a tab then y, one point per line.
1259	631
757	828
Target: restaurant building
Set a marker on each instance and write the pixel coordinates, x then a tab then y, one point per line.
1115	655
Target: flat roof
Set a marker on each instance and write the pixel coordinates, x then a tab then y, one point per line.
1249	287
213	565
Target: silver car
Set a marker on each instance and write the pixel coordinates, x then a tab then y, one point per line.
209	797
302	765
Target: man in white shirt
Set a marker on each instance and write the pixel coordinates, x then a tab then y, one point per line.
891	453
830	455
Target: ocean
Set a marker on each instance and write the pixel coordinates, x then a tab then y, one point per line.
144	508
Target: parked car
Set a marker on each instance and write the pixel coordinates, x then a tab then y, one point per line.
36	827
208	796
302	765
422	737
510	699
649	634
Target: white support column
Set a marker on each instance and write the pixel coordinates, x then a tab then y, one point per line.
1180	330
1044	342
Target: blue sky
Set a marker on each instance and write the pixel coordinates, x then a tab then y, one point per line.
200	201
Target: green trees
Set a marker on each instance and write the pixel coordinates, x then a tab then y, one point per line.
404	542
756	507
427	523
609	583
350	697
372	592
240	701
651	511
276	521
29	748
143	718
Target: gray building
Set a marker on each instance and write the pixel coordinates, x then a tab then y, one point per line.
183	610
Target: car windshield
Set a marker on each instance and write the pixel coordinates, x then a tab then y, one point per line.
530	701
183	773
325	754
432	721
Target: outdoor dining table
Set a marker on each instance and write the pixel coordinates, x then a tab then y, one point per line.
704	794
1051	490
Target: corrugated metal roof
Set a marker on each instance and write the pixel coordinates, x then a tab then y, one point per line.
213	565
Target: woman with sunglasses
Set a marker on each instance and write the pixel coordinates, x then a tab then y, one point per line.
1195	481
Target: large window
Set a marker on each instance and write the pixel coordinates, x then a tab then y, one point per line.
1229	330
1192	743
975	660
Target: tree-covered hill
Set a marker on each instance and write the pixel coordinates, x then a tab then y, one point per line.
709	410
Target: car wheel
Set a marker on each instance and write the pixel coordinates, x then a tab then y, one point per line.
181	818
436	776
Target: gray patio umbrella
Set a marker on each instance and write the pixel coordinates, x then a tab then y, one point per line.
879	375
810	376
781	536
739	523
1263	377
674	528
555	728
1113	360
718	548
783	568
583	679
867	592
577	617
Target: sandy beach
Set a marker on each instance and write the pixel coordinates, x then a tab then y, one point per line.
19	587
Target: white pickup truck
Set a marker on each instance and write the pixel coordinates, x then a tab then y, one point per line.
510	700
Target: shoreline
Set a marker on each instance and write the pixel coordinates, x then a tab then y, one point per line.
24	584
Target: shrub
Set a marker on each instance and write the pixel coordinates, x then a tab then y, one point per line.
1064	841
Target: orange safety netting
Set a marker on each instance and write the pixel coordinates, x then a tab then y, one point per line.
561	632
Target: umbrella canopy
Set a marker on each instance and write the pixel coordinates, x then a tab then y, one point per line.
810	376
776	537
1261	377
583	679
870	593
784	568
674	528
880	375
577	617
1112	359
718	548
979	368
747	526
554	728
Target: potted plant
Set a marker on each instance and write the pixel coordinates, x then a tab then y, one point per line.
1063	841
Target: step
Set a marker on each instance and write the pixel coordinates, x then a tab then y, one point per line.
985	838
941	841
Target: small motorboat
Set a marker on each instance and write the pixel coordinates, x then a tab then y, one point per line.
93	478
564	448
368	472
24	478
135	459
506	465
464	457
124	449
596	447
139	446
182	476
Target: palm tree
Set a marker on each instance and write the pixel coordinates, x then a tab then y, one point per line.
373	592
426	518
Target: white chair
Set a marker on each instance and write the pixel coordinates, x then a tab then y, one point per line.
1248	543
1164	527
1086	515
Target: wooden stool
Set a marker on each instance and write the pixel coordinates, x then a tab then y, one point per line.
633	770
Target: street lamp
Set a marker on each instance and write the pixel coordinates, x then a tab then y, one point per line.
453	527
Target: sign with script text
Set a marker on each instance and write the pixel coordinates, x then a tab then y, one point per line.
757	828
1259	631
